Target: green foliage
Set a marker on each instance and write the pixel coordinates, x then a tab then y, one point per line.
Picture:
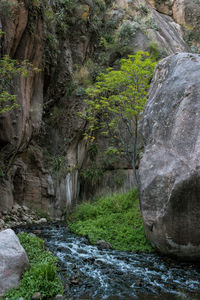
115	219
10	69
127	31
92	175
58	18
191	36
111	156
58	163
143	9
119	177
42	275
115	102
119	95
1	33
55	115
93	151
154	51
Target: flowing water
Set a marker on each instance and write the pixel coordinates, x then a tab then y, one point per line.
92	273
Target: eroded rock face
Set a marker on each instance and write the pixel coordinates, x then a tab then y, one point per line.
170	167
13	260
149	25
185	13
23	40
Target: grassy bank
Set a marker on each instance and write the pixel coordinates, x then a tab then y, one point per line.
115	219
42	276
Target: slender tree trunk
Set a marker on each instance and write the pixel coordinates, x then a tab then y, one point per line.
135	153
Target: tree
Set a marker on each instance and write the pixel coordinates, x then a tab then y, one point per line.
115	102
9	69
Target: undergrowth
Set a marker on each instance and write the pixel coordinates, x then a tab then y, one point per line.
115	219
42	276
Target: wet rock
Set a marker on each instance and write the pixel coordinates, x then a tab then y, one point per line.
42	220
36	296
25	208
25	218
101	244
13	260
59	297
170	168
16	207
74	280
36	231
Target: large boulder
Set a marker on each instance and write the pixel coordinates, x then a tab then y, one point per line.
170	168
13	260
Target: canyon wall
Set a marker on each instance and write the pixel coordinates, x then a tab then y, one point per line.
45	161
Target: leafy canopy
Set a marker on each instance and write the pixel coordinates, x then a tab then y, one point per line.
119	95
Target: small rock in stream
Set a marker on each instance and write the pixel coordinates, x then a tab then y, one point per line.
59	297
101	244
74	281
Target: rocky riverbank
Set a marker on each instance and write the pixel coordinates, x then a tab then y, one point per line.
20	216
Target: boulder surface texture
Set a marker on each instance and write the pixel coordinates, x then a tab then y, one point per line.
170	168
13	260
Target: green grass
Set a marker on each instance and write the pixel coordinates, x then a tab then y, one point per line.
115	219
42	276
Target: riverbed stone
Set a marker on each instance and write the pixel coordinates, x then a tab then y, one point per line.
170	168
13	260
42	220
103	244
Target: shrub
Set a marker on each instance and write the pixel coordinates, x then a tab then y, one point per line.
92	175
115	219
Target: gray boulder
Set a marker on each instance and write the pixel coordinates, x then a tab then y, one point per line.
170	168
13	260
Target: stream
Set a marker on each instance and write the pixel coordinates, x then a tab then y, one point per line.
92	273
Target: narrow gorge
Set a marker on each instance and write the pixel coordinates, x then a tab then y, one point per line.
43	152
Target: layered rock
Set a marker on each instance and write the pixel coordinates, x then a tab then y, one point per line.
170	167
13	260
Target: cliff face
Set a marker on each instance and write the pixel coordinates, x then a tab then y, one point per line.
169	169
19	126
44	158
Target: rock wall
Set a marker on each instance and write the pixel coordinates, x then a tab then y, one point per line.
43	154
185	13
19	126
170	167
